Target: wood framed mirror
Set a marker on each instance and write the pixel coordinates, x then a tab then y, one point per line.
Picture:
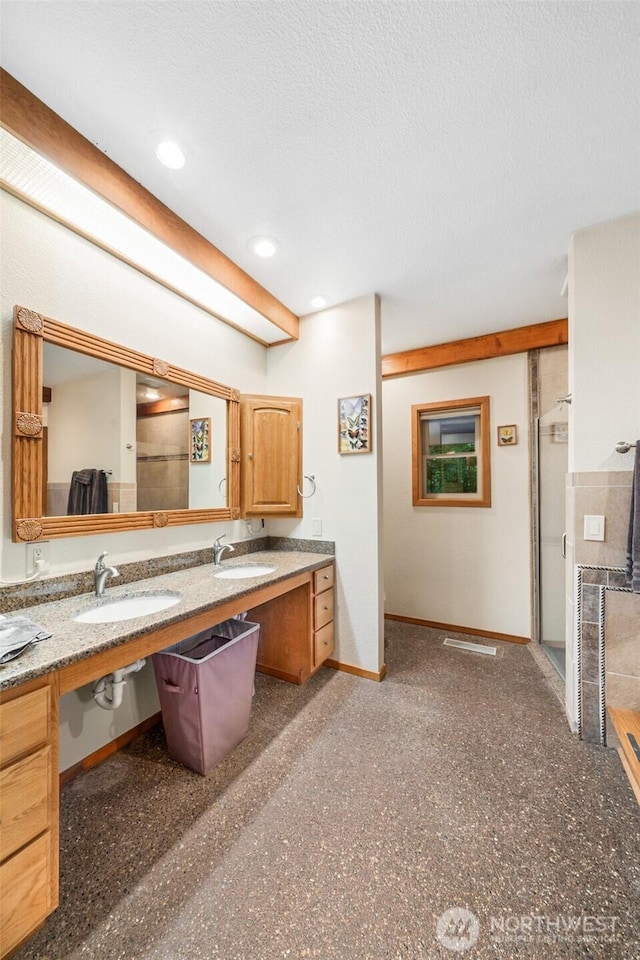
107	439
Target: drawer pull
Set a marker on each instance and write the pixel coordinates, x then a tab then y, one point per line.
326	576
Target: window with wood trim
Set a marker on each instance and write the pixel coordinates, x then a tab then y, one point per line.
451	453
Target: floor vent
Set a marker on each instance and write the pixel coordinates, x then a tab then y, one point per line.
473	647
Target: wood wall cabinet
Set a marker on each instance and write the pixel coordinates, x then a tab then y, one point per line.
29	797
296	630
271	466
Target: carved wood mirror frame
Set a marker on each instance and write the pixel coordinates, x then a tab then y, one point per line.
31	329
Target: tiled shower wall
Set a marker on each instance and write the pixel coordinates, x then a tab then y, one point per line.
602	613
163	461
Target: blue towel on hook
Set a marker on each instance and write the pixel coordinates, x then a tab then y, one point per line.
633	538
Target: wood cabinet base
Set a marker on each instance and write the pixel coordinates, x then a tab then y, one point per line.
29	829
25	892
297	630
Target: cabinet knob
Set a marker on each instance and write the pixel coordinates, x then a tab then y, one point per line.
326	576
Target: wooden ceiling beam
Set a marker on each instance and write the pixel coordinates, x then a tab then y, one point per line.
518	340
33	122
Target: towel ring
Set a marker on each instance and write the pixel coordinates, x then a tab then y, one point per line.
312	480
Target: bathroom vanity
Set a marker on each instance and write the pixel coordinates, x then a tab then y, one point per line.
295	608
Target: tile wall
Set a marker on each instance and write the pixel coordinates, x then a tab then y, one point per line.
604	613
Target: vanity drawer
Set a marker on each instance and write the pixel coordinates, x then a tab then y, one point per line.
25	892
323	609
24	723
323	644
323	579
25	789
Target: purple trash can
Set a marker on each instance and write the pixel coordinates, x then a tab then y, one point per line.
205	685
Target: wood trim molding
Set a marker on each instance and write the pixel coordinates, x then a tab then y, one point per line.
357	671
158	407
28	424
501	344
29	319
28	450
417	455
94	346
33	122
28	530
456	628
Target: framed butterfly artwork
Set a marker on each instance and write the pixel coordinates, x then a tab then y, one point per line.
354	424
200	440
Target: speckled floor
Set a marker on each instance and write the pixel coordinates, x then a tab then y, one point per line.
351	818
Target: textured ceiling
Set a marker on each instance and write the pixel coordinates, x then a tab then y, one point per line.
438	153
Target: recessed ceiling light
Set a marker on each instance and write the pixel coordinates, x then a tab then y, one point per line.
170	154
264	246
318	302
152	394
43	185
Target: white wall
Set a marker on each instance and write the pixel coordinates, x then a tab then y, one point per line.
51	270
205	487
338	355
604	343
84	426
604	365
467	566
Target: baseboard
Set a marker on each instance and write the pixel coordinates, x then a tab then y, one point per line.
456	628
279	674
357	671
109	748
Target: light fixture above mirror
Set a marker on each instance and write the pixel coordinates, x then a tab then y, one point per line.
49	165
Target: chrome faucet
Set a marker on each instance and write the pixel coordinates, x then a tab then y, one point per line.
219	550
103	572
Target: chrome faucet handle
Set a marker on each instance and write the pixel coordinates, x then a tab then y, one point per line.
216	542
100	562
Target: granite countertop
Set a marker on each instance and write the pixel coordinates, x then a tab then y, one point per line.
199	591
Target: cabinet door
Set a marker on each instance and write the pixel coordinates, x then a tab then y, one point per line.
271	443
25	892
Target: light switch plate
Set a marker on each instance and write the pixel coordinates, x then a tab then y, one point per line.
593	528
316	526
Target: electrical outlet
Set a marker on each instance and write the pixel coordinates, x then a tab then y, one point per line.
37	551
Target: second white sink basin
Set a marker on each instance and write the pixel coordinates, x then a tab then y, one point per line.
244	571
126	608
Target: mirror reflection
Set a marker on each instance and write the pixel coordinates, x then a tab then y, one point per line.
118	441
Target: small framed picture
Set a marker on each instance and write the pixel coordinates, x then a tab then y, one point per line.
354	433
560	432
200	440
508	435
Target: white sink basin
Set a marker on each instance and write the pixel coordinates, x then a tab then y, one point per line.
126	608
244	571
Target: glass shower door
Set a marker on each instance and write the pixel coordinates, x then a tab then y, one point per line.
552	449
